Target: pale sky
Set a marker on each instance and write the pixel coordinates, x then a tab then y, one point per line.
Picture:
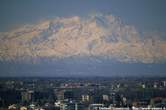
144	14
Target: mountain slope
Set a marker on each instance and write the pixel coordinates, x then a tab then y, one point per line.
95	36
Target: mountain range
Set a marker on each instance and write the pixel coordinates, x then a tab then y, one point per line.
90	42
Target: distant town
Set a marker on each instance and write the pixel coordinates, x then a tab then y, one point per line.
82	93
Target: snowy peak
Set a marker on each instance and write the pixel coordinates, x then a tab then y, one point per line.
97	35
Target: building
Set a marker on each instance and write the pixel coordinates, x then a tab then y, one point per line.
85	98
12	107
23	108
72	106
27	96
95	106
105	97
69	95
60	95
106	108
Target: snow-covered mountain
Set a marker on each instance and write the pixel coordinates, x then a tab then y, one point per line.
97	35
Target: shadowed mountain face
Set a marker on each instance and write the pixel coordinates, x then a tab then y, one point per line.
100	45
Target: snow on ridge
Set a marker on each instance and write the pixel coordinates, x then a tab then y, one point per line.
97	35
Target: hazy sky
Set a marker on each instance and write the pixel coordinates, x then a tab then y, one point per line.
87	40
144	14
